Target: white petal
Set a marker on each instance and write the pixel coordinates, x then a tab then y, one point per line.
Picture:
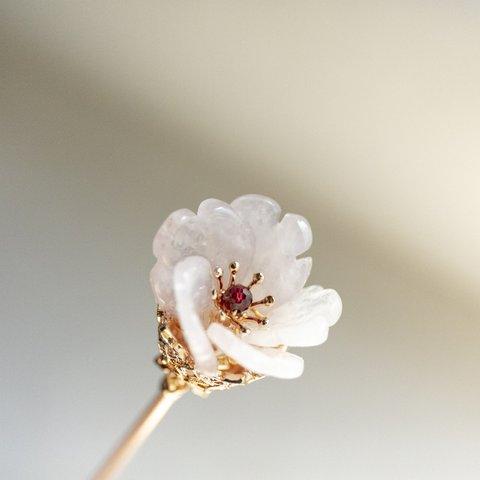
266	361
284	276
180	236
258	211
229	237
302	322
192	285
163	238
295	234
161	282
212	206
299	273
189	239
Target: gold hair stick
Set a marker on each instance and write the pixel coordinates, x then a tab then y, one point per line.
170	392
212	333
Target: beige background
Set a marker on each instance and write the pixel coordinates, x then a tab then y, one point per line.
363	116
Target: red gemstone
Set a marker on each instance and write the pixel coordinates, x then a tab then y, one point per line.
237	297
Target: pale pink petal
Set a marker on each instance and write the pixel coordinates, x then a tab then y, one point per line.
161	282
265	361
258	211
163	241
302	322
229	237
284	276
192	285
295	234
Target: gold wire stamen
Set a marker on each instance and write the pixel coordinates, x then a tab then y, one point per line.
234	318
234	267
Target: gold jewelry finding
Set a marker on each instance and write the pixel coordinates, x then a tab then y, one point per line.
179	366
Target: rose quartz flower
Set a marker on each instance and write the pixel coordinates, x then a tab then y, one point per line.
188	248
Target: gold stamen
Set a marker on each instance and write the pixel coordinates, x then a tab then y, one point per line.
218	273
267	301
256	279
240	326
260	321
234	319
234	266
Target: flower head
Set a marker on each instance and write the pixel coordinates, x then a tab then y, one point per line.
229	281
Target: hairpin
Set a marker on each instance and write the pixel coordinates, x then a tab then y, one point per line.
231	298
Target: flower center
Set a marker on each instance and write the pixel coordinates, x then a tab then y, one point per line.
237	297
235	304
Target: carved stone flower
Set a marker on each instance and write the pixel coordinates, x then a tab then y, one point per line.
260	308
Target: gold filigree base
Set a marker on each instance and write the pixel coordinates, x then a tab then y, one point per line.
178	365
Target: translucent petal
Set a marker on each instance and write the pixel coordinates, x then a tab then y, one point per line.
302	322
284	276
181	235
192	285
163	238
214	207
161	282
189	239
295	234
266	361
258	211
229	237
